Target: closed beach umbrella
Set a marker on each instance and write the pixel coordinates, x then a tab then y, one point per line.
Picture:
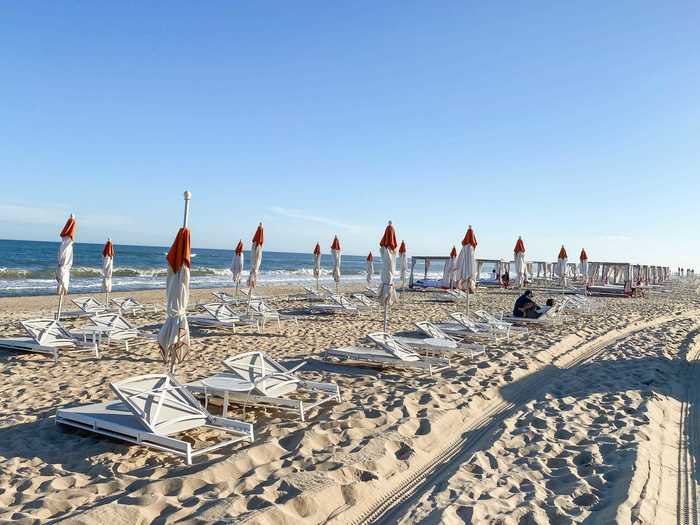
561	262
583	268
256	257
466	264
335	250
107	268
65	261
370	267
450	270
317	263
403	264
237	265
174	335
387	248
519	258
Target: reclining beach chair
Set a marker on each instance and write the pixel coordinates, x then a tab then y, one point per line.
488	318
129	305
466	327
338	304
450	295
220	315
551	316
448	343
370	292
259	309
365	302
48	336
386	352
115	329
87	306
153	410
257	379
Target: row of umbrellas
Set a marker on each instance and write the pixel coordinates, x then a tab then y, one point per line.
173	338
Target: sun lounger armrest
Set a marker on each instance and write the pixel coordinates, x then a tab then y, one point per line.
233	424
292	370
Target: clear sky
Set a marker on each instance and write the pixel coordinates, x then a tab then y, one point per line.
563	122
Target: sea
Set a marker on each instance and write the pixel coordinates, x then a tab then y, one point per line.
29	268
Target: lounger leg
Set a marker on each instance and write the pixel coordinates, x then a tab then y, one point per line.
225	408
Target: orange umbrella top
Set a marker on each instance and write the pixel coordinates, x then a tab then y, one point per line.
69	229
179	253
239	247
402	248
370	257
317	250
469	238
562	253
336	243
584	255
453	253
519	246
388	241
259	238
108	250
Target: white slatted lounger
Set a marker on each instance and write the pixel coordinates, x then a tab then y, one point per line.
257	379
226	297
451	344
130	306
260	310
548	318
466	327
220	315
87	306
488	318
115	329
371	292
338	305
153	410
364	301
387	352
47	336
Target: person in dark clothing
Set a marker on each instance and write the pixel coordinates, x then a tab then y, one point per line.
505	279
525	306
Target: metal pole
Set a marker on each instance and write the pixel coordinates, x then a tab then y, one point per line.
187	196
60	305
386	315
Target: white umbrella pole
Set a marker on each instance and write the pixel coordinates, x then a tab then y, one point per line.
467	298
60	306
386	315
317	287
237	283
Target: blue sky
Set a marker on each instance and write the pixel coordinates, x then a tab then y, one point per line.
563	122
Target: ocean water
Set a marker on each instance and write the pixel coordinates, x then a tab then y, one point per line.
29	267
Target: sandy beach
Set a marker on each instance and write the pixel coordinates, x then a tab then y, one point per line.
593	420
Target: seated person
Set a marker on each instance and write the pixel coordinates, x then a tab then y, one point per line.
540	311
505	279
525	306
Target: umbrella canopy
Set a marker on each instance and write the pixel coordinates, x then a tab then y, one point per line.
317	261
335	249
466	262
174	335
561	263
448	272
107	266
387	247
519	258
237	263
403	262
65	256
256	256
370	267
583	267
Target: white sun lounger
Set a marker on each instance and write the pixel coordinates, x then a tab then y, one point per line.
153	410
259	309
451	295
257	379
549	317
47	336
387	352
339	304
370	292
226	297
365	302
220	315
115	329
87	306
466	327
499	324
129	305
452	344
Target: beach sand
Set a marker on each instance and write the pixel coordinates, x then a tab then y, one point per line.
589	421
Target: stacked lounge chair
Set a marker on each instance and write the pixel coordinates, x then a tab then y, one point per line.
48	336
254	378
220	315
154	410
